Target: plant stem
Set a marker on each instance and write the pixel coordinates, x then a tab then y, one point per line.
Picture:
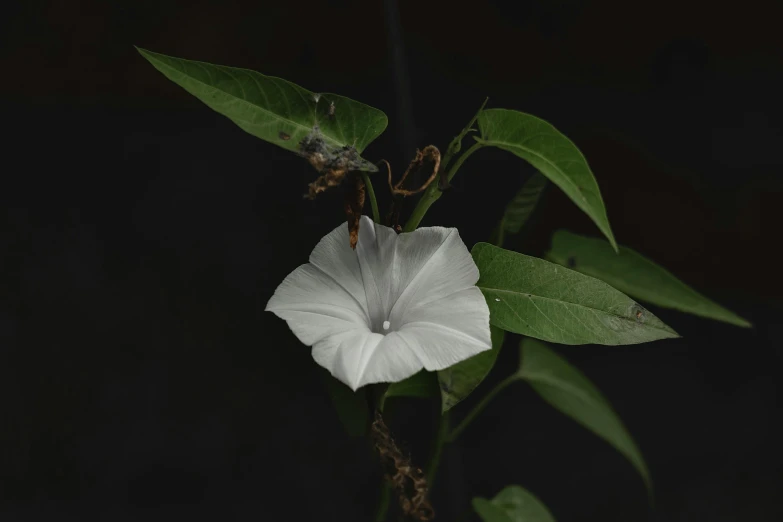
437	449
501	233
383	503
480	406
456	144
433	193
371	193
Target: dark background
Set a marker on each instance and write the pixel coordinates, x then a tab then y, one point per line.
141	235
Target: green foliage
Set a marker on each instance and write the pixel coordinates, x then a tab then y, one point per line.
519	210
582	297
635	275
351	407
533	297
423	384
512	504
553	154
458	381
569	391
273	109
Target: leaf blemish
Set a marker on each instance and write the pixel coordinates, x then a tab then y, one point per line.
571	262
283	136
332	162
638	312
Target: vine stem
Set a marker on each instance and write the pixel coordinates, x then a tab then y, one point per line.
371	193
433	193
456	144
430	196
437	451
383	504
480	406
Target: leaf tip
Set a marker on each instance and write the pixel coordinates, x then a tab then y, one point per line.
612	242
741	322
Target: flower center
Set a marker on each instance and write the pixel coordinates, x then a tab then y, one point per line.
386	325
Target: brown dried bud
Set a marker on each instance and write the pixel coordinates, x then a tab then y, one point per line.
354	203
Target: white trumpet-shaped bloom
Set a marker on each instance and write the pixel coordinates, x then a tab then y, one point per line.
395	305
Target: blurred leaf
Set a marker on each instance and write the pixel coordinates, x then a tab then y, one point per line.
351	407
513	504
489	512
553	154
533	297
569	391
519	210
635	275
423	384
273	109
459	380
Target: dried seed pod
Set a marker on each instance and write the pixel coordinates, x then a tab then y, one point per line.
409	481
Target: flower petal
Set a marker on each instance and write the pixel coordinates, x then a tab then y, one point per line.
343	353
376	255
465	311
359	358
400	271
434	264
335	258
317	306
449	330
416	288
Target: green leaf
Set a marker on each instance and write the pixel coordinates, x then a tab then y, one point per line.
635	275
519	210
569	391
351	407
554	155
423	384
533	297
513	504
271	108
488	511
459	380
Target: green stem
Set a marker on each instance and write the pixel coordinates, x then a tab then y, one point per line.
383	503
371	193
437	451
480	406
456	144
433	193
500	232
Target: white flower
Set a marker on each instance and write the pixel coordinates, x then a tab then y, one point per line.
395	305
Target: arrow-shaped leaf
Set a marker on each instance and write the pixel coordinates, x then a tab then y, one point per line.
635	275
569	391
271	108
533	297
553	154
513	504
